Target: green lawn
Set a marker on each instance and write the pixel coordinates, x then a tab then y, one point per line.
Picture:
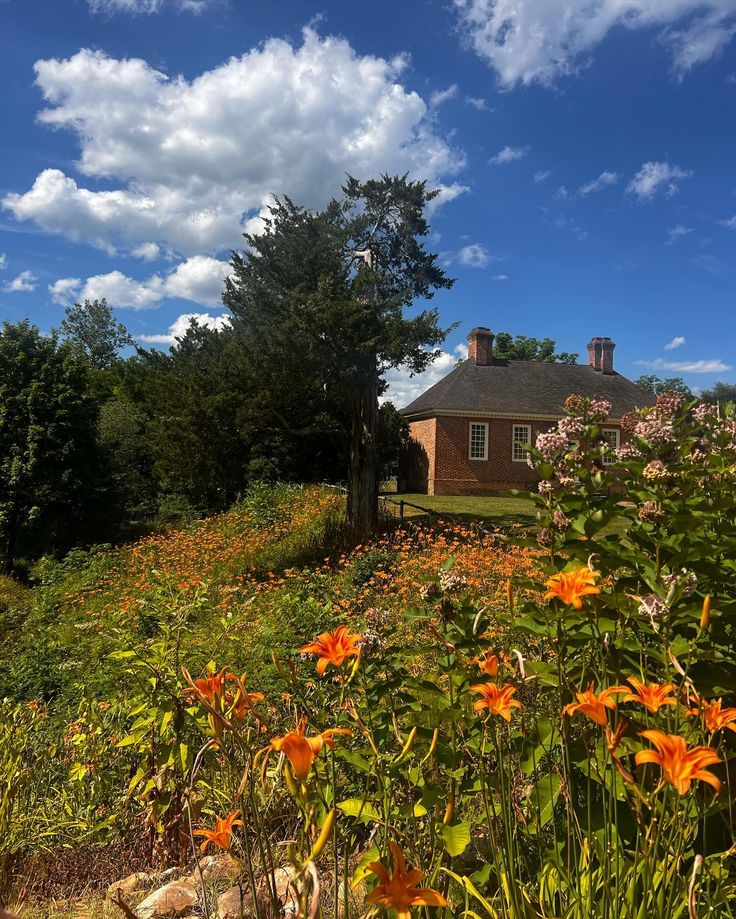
501	512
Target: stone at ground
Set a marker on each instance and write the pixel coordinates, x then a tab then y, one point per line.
131	884
173	899
285	892
216	868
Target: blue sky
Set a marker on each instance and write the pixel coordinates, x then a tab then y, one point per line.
584	148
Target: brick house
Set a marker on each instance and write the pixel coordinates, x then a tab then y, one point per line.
467	432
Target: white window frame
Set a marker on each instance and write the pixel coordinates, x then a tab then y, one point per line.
609	459
515	442
471	426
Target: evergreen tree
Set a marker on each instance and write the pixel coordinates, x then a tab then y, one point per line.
320	300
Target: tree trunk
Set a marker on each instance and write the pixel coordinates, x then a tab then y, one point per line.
362	512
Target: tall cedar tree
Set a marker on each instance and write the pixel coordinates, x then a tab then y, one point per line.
49	463
320	301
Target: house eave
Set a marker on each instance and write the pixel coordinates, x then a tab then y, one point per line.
470	413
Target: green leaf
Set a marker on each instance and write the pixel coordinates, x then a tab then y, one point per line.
542	801
360	809
456	837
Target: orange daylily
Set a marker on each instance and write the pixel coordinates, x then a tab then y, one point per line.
399	890
210	689
333	648
497	699
594	706
300	750
680	766
572	586
715	716
651	695
221	835
488	664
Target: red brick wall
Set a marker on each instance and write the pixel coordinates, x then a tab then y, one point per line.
419	462
449	470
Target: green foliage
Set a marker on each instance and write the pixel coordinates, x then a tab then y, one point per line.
525	348
326	292
51	472
92	328
654	384
719	392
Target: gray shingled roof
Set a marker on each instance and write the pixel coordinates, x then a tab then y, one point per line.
525	388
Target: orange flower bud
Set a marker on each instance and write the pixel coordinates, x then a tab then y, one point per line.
449	811
705	615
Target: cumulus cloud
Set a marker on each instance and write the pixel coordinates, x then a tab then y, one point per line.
179	326
22	283
730	223
500	277
199	279
191	163
508	155
676	232
477	102
545	41
474	255
65	291
715	365
404	388
541	175
3	261
604	180
443	95
654	177
676	342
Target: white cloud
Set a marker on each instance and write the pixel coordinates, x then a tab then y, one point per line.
443	95
604	180
544	41
477	102
22	283
541	175
179	327
3	261
145	7
192	162
654	177
676	342
730	223
199	279
500	277
65	291
508	155
561	194
474	256
676	232
404	388
714	365
149	252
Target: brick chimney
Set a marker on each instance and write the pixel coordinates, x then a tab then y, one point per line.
600	354
480	346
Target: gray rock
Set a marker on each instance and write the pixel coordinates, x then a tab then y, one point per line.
131	884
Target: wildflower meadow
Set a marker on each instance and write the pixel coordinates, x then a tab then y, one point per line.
444	722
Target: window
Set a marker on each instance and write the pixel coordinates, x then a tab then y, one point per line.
521	435
610	436
478	447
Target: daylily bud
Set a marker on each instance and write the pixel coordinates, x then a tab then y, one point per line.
278	666
290	781
432	745
449	810
407	746
323	836
705	615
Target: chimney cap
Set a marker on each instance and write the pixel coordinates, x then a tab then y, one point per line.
480	330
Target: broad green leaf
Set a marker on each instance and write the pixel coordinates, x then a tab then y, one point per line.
542	801
360	809
456	837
